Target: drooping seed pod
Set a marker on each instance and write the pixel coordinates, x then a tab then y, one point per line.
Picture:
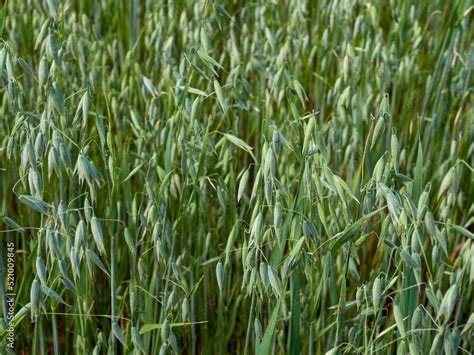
165	330
417	318
263	270
258	329
98	234
43	71
220	277
447	304
80	236
35	294
399	319
184	309
138	340
395	153
41	270
376	292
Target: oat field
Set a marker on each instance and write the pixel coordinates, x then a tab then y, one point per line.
236	177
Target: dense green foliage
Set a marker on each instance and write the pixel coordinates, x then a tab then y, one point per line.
238	177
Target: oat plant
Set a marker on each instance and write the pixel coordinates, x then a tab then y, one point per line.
213	177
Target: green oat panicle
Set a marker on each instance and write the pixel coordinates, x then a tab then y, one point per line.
241	177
